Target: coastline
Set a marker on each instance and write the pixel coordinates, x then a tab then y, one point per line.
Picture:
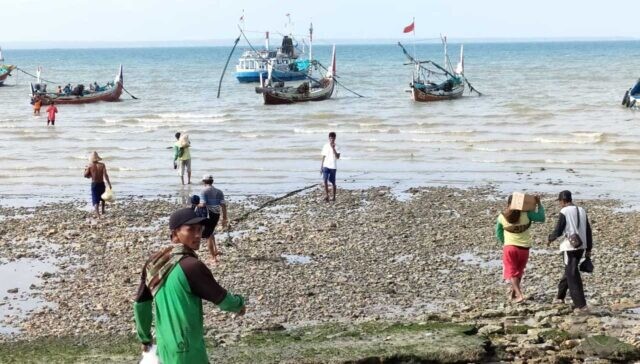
429	256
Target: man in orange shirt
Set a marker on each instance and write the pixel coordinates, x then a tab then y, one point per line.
37	103
52	110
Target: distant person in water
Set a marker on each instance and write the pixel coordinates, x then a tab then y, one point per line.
97	171
182	156
37	104
512	229
59	90
328	166
52	110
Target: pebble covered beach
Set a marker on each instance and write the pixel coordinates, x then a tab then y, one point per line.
428	254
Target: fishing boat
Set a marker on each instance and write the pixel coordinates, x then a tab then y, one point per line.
5	69
79	94
274	93
631	96
253	64
433	82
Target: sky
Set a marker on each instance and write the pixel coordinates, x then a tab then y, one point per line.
99	21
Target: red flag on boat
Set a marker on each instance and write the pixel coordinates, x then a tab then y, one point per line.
409	28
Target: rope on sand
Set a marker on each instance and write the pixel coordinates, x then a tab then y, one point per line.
262	207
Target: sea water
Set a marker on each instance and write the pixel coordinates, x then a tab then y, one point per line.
550	119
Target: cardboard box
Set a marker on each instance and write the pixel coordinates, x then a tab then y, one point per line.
523	202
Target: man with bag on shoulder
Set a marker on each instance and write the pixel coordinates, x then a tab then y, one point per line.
574	229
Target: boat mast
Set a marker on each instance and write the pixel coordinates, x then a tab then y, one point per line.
311	42
1	57
267	41
446	56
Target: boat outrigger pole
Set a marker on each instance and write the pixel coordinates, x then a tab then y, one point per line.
227	64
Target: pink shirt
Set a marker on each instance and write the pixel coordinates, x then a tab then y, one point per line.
51	111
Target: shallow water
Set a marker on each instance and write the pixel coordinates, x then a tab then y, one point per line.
471	258
21	274
296	259
550	119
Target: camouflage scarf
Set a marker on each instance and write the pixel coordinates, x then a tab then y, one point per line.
161	263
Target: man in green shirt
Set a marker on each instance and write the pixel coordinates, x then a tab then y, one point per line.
178	281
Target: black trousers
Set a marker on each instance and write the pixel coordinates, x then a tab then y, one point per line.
571	279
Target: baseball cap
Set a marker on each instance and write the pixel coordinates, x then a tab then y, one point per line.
207	177
184	216
564	195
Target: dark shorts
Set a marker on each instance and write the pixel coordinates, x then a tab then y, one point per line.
210	225
53	122
97	189
329	174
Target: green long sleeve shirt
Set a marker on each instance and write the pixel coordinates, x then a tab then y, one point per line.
178	311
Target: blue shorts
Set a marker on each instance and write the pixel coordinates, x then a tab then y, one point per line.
97	189
329	174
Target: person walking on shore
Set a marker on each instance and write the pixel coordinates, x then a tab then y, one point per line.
52	110
97	171
177	282
328	165
182	156
512	229
577	240
213	200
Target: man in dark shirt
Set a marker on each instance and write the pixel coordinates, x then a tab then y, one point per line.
178	282
572	220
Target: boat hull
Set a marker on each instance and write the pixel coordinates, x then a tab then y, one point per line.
280	96
5	71
254	76
436	95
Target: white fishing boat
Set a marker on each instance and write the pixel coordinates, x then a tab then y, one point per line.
286	67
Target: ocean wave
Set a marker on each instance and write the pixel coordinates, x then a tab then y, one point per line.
578	138
191	115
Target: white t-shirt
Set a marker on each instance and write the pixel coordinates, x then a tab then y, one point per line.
329	158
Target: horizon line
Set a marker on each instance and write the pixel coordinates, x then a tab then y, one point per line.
68	44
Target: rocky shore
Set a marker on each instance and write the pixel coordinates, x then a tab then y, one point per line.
373	265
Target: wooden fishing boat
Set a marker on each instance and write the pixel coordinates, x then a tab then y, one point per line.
310	90
452	88
79	95
5	69
438	82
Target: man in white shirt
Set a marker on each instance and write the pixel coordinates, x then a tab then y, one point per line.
572	221
328	166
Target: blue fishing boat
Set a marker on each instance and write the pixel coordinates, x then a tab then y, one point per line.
286	66
632	96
